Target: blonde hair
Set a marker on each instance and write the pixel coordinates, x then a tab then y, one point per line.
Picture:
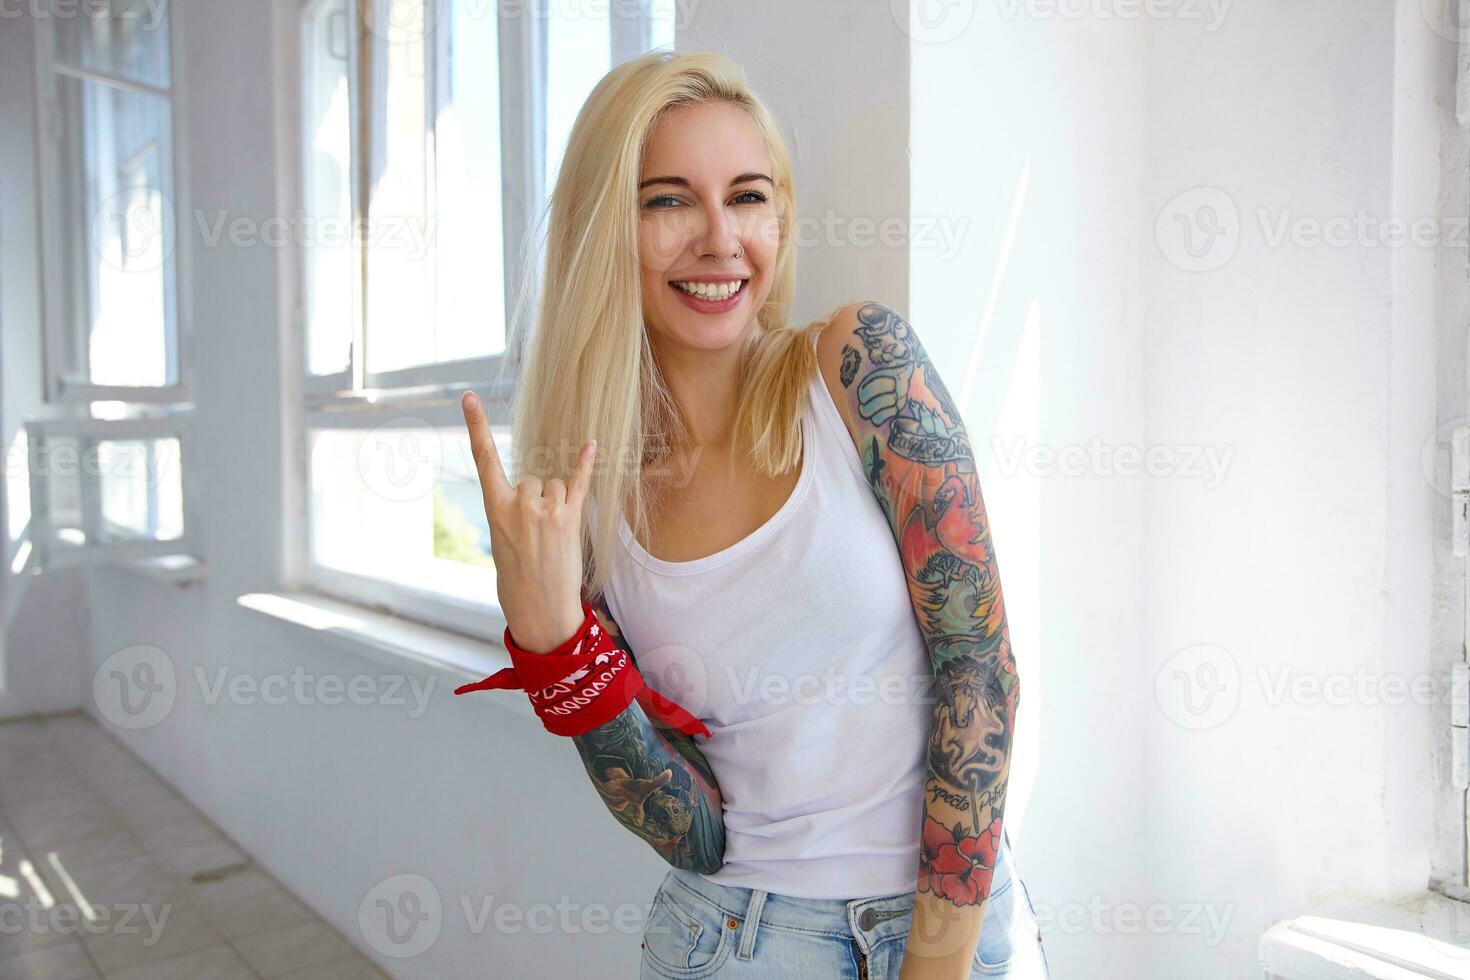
588	370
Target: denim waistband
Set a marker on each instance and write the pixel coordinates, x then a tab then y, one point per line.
867	921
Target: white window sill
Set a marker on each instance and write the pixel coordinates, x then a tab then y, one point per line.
393	641
1424	937
179	570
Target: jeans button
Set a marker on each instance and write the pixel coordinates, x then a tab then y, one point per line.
868	919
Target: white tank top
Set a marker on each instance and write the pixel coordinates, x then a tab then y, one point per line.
799	649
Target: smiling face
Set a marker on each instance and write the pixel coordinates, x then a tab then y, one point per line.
705	193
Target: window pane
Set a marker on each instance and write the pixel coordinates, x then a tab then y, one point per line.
134	487
470	292
579	53
416	488
141	490
128	38
398	261
326	186
60	458
118	230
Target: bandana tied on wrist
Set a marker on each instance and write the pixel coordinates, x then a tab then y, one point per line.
585	682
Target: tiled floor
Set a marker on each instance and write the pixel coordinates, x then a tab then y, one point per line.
84	824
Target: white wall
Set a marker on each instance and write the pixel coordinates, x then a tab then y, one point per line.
1313	368
1309	371
1313	559
41	651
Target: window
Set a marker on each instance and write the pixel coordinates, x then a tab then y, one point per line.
430	131
114	326
106	462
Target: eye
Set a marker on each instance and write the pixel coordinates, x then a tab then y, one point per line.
747	197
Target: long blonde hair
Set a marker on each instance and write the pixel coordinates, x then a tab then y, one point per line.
588	369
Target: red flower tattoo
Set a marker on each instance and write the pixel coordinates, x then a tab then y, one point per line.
955	866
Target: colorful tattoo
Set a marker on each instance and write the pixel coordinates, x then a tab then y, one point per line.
919	464
654	779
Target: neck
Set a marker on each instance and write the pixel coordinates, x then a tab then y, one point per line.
706	387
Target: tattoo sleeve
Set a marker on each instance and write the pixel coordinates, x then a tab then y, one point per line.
654	780
919	463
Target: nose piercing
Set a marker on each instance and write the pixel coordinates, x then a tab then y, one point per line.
735	256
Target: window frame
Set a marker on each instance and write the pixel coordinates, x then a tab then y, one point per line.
65	406
57	317
357	398
178	425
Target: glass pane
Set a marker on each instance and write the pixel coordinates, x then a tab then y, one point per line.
416	487
134	487
128	38
60	458
326	186
118	234
579	53
141	490
398	259
470	292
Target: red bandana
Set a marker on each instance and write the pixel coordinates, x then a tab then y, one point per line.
585	682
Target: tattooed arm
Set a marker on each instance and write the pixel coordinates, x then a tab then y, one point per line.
919	464
654	779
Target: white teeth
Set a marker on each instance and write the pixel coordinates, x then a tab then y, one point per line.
717	291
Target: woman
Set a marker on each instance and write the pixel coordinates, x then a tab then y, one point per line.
795	546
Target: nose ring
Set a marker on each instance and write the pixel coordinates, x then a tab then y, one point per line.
737	255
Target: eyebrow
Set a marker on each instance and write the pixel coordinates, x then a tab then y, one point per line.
742	179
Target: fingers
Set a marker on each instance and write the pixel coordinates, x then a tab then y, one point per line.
494	484
582	478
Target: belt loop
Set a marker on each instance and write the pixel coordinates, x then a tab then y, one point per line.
752	920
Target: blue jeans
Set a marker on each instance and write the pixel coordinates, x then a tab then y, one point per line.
697	928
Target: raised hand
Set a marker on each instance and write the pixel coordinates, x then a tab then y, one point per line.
535	539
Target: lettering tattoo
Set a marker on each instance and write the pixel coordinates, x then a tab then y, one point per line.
920	466
653	778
